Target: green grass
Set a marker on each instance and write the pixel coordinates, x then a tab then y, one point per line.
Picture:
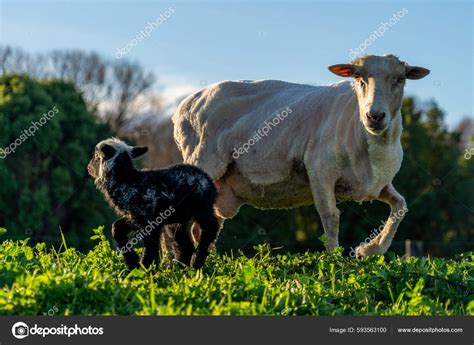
66	282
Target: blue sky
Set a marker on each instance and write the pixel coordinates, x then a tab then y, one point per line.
205	42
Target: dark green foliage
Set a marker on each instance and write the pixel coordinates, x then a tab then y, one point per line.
42	182
38	281
438	183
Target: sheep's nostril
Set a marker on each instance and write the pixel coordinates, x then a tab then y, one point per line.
375	117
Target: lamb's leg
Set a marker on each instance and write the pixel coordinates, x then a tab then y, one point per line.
184	243
398	207
196	233
120	229
151	248
209	231
168	244
325	203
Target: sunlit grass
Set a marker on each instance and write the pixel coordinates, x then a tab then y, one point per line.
41	281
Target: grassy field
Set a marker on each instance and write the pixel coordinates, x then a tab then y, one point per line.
66	282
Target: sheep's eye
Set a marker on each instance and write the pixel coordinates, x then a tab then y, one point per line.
356	75
401	79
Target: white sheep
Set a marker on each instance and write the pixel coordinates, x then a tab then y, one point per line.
340	141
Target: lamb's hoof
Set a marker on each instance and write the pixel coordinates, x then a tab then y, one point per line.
184	260
132	266
198	260
132	260
148	263
213	248
183	264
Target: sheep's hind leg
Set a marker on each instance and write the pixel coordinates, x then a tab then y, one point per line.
151	248
325	203
120	229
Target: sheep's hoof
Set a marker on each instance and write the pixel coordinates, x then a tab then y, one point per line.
132	260
360	252
368	249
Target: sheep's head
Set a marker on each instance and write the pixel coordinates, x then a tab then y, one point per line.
379	83
108	152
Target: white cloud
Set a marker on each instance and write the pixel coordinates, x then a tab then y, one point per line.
173	90
161	101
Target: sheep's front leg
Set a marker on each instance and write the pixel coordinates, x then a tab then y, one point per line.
398	208
120	229
325	203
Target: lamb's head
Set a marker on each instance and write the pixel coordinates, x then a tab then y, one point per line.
112	153
378	83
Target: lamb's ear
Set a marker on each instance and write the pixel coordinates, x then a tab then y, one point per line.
342	70
137	151
415	72
108	151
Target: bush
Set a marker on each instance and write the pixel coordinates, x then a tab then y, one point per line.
43	185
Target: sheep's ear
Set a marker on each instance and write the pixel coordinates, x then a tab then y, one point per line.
138	151
108	151
415	72
342	70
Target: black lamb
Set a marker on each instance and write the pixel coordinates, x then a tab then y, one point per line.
149	200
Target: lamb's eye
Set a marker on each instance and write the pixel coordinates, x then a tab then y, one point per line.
401	79
356	75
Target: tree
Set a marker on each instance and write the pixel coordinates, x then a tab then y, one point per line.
46	140
111	88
